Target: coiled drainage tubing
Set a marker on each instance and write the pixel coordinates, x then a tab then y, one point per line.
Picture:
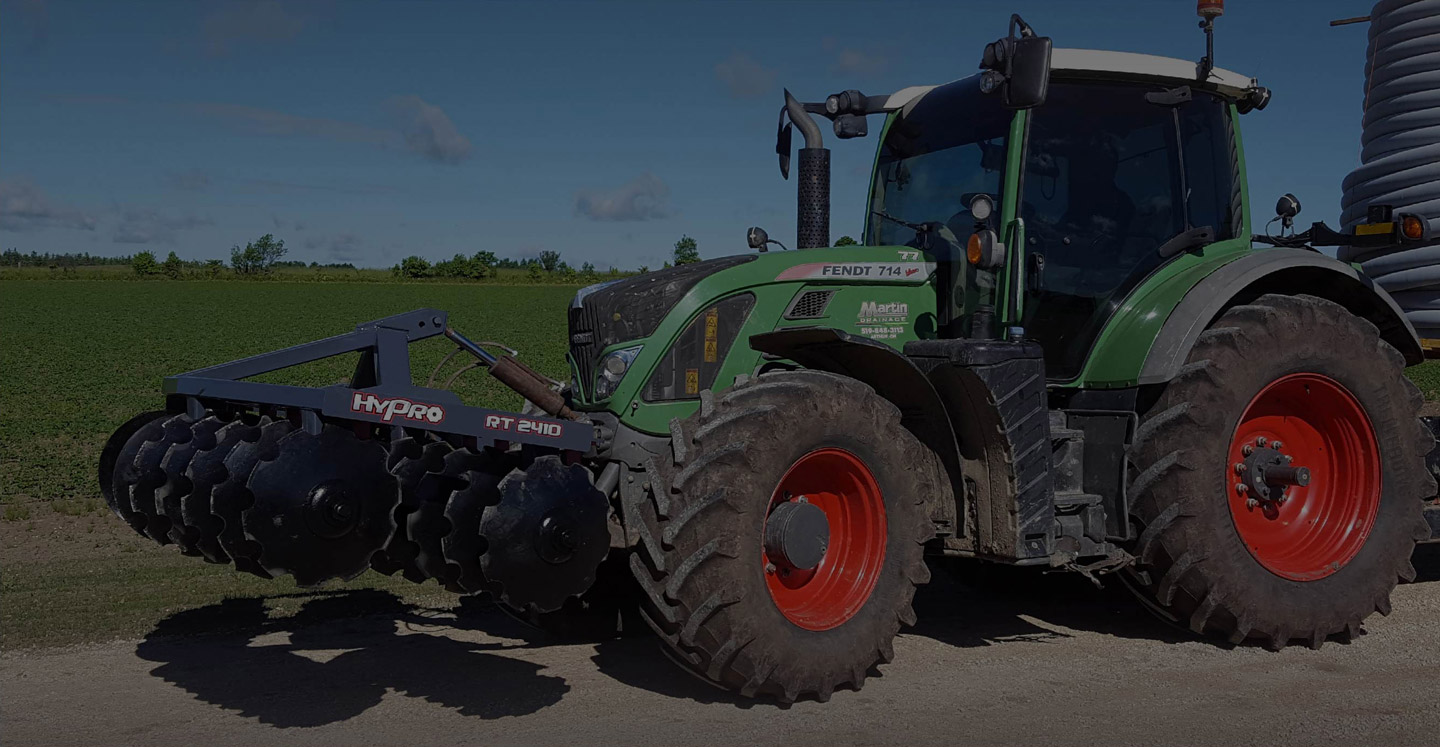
1400	153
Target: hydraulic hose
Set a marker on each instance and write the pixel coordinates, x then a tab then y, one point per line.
1400	153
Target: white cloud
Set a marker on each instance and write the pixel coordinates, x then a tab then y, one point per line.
745	78
645	197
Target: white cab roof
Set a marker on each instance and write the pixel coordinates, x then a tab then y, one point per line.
1101	63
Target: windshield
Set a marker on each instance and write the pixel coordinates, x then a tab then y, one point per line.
935	159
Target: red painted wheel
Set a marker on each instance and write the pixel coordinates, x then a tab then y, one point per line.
830	593
1300	526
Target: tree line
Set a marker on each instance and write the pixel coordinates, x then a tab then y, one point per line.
261	257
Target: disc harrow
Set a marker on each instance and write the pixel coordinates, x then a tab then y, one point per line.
463	546
170	496
418	465
150	477
206	472
321	506
232	496
118	471
546	535
325	483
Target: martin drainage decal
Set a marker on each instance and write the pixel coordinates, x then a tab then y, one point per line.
882	321
870	272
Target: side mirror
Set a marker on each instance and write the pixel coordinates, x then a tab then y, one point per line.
1018	67
757	238
1286	209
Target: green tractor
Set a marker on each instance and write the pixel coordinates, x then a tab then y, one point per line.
1057	345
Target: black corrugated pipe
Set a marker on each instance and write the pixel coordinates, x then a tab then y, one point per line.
812	210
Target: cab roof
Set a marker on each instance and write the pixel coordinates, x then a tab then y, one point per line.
1103	64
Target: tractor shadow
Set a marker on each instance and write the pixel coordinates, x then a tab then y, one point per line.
337	657
968	604
1427	563
971	604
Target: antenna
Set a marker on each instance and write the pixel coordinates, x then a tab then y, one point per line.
1208	10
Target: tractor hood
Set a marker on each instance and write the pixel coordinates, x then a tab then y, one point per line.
629	309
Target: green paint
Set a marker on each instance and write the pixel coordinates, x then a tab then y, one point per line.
772	295
1120	350
1013	232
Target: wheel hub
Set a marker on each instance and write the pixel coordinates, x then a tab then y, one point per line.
823	542
1304	476
1267	474
797	534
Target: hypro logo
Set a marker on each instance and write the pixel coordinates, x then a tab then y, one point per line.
396	407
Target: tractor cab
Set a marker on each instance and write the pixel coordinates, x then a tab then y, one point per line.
1049	186
1121	169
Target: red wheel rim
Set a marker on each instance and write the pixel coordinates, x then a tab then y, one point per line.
1309	531
825	596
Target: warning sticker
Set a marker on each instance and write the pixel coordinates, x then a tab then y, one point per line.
692	381
712	326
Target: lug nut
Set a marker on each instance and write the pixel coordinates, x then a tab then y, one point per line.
1252	503
770	568
1277	445
1240	468
1261	441
1247	449
1242	488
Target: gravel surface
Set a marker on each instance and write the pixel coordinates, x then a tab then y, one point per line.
1003	658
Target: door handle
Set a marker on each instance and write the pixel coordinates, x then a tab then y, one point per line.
1035	273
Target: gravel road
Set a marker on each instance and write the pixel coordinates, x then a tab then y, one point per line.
1038	660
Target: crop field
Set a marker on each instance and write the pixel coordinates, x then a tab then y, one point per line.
78	358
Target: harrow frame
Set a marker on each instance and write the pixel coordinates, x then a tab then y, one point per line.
380	391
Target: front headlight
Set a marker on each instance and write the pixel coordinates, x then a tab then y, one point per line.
613	367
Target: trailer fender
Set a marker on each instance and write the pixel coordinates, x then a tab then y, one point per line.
1286	271
889	373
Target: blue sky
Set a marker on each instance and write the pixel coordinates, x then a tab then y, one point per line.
368	131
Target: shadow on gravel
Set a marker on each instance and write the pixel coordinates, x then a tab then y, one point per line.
969	603
1427	563
337	657
341	653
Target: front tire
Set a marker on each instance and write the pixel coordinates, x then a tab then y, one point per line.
763	616
1231	542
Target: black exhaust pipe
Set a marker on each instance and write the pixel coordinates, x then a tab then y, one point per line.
812	209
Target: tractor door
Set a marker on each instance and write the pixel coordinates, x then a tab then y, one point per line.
1110	176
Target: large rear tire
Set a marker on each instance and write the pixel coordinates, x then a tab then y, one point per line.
1236	540
748	612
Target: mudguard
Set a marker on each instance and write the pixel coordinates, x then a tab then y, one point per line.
890	373
1289	271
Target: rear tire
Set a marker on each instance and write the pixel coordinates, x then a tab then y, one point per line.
1326	558
702	558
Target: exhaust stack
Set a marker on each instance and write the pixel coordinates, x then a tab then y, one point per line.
812	209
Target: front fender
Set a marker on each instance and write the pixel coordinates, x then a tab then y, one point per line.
886	370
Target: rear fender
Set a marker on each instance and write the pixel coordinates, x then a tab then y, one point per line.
1285	271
